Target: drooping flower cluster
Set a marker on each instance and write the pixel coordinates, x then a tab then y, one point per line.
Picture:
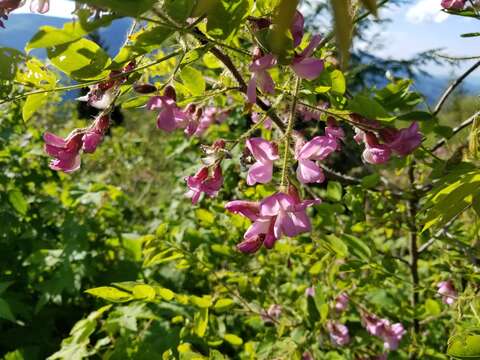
382	142
341	302
277	215
391	334
101	95
194	121
303	64
447	290
66	152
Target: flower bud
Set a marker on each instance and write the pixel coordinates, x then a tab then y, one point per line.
170	92
144	88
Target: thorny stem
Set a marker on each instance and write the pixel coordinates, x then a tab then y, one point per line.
288	134
414	255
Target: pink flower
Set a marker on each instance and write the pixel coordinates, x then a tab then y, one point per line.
382	328
94	135
310	291
338	333
404	141
273	313
448	292
453	4
341	302
307	356
319	148
170	116
306	66
375	153
265	153
40	6
66	152
334	131
204	182
277	215
207	117
261	77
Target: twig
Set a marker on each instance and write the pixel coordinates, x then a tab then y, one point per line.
459	128
452	87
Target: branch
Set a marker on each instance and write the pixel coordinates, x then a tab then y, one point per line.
459	128
453	86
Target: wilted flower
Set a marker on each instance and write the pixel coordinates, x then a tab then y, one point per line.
341	302
204	182
261	77
338	333
265	153
448	292
277	215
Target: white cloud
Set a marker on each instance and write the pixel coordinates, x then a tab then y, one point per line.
425	11
58	8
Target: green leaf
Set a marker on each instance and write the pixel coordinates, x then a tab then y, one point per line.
163	257
357	247
224	304
370	181
334	191
49	36
200	321
432	307
205	216
225	17
18	201
474	34
9	63
193	81
82	59
454	195
32	104
125	7
339	85
416	116
110	294
6	311
153	37
179	10
165	294
342	15
233	339
369	108
464	346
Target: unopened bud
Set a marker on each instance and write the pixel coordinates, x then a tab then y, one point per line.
170	92
144	88
191	108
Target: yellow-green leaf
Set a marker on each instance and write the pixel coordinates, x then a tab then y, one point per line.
200	321
193	80
32	104
110	294
464	347
18	201
224	304
233	339
202	302
165	294
144	292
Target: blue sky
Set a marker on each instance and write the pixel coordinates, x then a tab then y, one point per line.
417	25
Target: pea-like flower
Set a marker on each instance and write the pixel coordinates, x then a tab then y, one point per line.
338	333
40	6
265	153
391	334
404	141
306	66
261	77
447	290
319	148
453	4
277	215
170	116
341	302
206	180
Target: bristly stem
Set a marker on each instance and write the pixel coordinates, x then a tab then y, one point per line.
288	134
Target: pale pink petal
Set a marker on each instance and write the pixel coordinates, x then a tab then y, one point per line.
262	150
252	90
297	28
309	68
166	119
52	139
249	209
308	51
266	82
265	62
260	172
309	172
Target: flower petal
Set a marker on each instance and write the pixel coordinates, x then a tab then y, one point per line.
309	68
